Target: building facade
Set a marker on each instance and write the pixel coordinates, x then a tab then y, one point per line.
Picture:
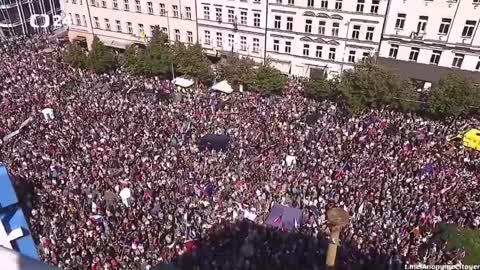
119	23
329	36
15	15
233	26
426	39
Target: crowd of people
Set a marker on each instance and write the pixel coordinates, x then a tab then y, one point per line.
396	174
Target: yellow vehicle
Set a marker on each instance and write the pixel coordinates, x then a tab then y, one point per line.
471	139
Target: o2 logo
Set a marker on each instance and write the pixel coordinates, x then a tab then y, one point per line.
43	21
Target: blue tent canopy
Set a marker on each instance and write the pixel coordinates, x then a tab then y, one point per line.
285	217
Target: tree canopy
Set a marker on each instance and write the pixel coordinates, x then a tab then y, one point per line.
76	56
371	86
100	58
238	71
454	96
270	80
191	61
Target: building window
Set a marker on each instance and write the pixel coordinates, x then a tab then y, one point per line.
152	29
365	56
276	45
177	35
468	29
422	24
414	54
393	51
163	12
308	26
107	24
444	26
175	11
206	13
458	60
141	31
288	47
435	58
119	26
306	49
126	5
115	4
324	4
374	7
356	32
277	22
478	64
138	6
318	52
291	2
243	17
256	1
219	40
256	19
331	54
77	19
231	38
188	12
400	23
338	4
96	22
218	14
231	16
289	23
129	28
310	3
189	36
207	37
369	35
150	7
321	27
104	4
84	20
256	45
279	1
335	29
360	5
243	43
165	31
351	56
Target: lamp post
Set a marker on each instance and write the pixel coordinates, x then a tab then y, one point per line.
337	217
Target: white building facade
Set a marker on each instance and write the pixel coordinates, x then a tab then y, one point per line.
440	34
238	26
119	23
325	35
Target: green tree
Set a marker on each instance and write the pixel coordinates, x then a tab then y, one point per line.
238	71
270	80
100	58
321	88
156	59
371	86
76	56
132	59
191	61
454	96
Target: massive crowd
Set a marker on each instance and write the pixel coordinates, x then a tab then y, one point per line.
396	174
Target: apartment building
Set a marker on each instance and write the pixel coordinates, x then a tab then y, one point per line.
233	26
119	23
425	39
326	36
15	15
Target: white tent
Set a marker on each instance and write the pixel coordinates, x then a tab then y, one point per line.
126	194
48	114
223	86
13	260
183	82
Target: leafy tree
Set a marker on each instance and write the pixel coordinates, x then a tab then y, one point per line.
371	86
238	71
191	61
270	80
454	96
156	59
100	58
131	59
76	56
321	88
158	38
